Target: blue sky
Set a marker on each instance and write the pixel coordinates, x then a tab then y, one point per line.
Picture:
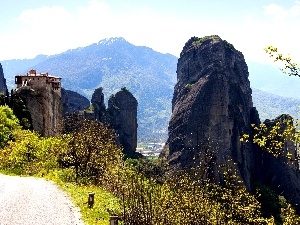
32	27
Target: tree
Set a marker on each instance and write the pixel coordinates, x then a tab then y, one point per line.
8	123
291	68
274	137
31	154
92	150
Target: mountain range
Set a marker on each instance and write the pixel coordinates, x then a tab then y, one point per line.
150	76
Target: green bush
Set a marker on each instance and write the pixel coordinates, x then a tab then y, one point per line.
8	123
180	198
91	151
31	154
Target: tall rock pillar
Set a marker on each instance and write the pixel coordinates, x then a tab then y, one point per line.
211	108
99	105
3	87
122	113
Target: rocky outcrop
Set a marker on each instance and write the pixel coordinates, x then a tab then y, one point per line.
280	176
280	173
211	108
44	107
289	152
3	87
99	105
73	102
122	114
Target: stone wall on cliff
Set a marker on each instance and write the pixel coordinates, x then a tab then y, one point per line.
122	114
3	87
211	107
45	109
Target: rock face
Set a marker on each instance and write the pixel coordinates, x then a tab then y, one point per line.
73	102
99	105
211	108
280	174
3	87
122	113
277	174
44	107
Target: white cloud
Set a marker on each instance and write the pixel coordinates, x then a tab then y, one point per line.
276	11
274	25
281	13
51	30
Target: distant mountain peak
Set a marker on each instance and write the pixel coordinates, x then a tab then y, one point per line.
109	41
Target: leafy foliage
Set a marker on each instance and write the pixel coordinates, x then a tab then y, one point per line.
91	151
291	68
279	138
8	123
181	198
274	138
271	203
30	154
2	98
19	108
290	216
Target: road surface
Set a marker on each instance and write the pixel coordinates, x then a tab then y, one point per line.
34	201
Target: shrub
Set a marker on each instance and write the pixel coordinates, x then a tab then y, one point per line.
91	151
180	198
8	123
30	154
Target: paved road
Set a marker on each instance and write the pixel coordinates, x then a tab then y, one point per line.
33	201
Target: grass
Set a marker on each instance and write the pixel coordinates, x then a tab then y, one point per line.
105	203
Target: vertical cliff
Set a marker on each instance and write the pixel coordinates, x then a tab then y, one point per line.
3	87
44	107
122	114
99	105
280	173
211	108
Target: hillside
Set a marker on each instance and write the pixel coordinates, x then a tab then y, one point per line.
270	106
271	79
112	64
150	76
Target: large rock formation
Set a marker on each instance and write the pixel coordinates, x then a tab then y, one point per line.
3	87
39	95
122	113
41	107
73	102
211	108
99	105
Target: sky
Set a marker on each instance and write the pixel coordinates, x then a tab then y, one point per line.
33	27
